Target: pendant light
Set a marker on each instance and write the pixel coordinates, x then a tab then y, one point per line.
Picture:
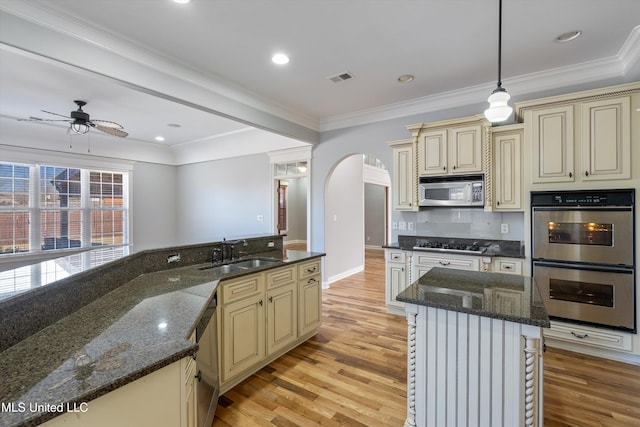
499	109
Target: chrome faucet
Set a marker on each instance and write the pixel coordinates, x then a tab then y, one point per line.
230	246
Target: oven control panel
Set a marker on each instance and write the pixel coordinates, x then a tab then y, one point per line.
583	198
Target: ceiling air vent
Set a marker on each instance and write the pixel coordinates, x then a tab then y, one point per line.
341	77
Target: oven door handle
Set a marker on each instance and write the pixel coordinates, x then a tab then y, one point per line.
602	268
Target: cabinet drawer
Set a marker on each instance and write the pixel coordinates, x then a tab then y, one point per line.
236	289
589	336
308	269
450	261
507	265
281	276
395	256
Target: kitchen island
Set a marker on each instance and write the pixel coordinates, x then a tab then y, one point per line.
474	349
125	335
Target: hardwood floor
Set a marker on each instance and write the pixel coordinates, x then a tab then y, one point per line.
353	373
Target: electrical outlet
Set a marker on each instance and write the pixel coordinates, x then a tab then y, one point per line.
411	225
402	225
504	228
260	218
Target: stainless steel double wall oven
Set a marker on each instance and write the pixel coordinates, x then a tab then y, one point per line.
583	255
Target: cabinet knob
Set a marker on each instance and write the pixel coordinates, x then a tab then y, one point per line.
270	299
454	168
498	202
586	173
261	302
444	263
199	376
444	168
570	175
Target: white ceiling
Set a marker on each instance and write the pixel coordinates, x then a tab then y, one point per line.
225	46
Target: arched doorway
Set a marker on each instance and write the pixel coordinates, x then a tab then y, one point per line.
345	200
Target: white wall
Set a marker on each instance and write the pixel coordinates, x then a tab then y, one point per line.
153	207
223	198
344	227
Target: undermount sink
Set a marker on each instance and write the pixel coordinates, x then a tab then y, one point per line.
240	265
256	262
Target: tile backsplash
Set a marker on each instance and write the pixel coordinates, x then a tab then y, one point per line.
469	223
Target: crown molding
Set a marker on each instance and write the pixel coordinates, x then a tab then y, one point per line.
520	86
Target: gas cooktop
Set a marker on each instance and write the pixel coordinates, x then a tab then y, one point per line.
452	247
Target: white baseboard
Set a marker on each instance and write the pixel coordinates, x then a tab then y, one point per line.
293	242
373	247
345	274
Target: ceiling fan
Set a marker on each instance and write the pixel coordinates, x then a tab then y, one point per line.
80	122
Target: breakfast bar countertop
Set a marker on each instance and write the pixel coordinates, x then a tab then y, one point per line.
133	330
495	295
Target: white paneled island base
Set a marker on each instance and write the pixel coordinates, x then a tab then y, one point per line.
468	369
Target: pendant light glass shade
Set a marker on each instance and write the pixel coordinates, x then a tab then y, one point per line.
499	109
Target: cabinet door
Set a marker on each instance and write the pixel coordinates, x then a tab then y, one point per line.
309	305
242	336
282	317
404	178
465	149
396	282
190	418
551	134
508	171
606	139
432	153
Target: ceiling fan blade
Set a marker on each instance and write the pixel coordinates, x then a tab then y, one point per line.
107	123
55	114
111	130
43	120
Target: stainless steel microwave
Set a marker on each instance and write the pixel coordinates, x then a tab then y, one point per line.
454	191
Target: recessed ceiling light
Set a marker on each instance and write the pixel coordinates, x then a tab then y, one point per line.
280	59
568	36
159	138
182	1
405	78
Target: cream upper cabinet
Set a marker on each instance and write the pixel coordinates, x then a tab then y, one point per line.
432	153
606	139
465	149
507	171
404	186
450	151
551	135
581	137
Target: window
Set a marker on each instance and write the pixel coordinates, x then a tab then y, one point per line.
46	207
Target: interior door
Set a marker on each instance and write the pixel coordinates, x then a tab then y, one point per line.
282	208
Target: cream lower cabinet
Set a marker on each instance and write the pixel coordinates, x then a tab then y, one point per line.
396	277
309	298
154	400
507	265
241	326
264	315
282	314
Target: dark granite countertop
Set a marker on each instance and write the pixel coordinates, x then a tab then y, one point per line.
494	248
133	330
479	293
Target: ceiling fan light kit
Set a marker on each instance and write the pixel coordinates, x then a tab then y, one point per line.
499	109
80	122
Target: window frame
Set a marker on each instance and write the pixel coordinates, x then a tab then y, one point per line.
86	166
